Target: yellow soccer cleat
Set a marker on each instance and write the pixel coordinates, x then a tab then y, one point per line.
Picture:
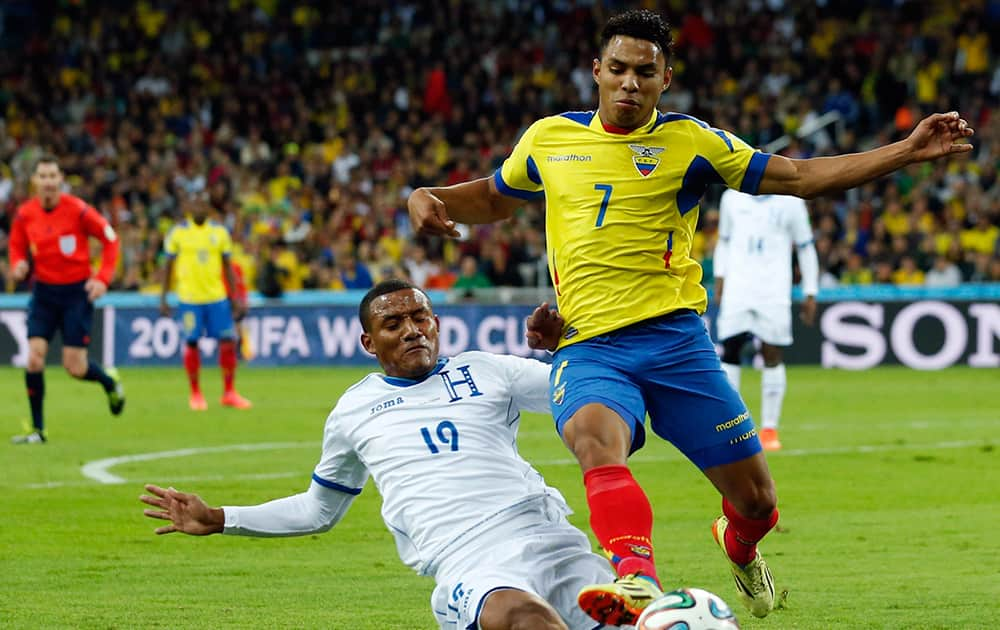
619	603
753	581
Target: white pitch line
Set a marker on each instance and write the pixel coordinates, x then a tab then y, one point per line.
255	476
97	471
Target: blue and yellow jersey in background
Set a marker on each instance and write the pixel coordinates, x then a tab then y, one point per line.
198	251
621	211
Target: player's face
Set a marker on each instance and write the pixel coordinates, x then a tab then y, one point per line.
198	210
403	333
631	74
47	180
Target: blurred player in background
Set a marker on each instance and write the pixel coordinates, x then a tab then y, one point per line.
439	436
50	232
198	250
622	187
753	286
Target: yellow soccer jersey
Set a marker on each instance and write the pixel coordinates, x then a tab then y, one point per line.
198	251
621	211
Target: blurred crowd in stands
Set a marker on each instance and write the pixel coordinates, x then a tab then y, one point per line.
306	125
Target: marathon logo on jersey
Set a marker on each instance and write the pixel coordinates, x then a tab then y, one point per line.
67	244
569	157
645	159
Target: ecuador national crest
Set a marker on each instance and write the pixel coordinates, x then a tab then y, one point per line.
645	159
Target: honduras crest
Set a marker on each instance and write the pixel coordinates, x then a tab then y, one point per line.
645	159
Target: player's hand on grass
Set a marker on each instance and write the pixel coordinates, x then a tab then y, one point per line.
186	512
20	271
544	327
95	289
939	135
429	215
808	313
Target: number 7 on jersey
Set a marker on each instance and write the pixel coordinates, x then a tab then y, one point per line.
606	188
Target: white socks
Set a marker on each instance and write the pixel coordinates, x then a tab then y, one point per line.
732	371
772	390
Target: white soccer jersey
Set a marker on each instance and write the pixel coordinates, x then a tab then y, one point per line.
442	468
754	255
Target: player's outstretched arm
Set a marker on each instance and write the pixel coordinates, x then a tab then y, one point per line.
186	512
937	136
434	211
544	327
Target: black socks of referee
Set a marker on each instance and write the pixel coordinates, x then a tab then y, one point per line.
95	373
35	382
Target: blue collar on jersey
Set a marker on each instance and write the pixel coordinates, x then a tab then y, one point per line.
399	381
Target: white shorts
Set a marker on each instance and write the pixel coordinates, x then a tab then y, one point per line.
770	324
540	553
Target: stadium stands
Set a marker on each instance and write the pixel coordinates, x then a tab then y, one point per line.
308	126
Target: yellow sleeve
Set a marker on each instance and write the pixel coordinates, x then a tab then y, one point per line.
739	165
518	175
225	242
170	244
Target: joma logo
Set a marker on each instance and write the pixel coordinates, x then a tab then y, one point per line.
387	404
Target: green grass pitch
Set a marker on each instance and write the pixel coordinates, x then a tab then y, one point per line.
889	490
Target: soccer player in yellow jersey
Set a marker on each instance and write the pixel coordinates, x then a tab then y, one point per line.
199	250
622	188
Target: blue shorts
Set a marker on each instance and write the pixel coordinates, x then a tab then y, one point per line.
214	320
666	367
62	307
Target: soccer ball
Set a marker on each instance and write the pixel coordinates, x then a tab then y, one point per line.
688	609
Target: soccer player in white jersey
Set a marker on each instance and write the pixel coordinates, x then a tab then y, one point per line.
438	436
753	286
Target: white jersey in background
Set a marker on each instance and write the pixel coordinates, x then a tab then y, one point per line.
754	258
757	234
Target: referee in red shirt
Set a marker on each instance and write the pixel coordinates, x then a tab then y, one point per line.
53	228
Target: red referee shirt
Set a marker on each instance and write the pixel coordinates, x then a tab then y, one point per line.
57	239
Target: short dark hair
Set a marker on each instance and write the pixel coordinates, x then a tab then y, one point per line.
386	286
640	24
45	158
